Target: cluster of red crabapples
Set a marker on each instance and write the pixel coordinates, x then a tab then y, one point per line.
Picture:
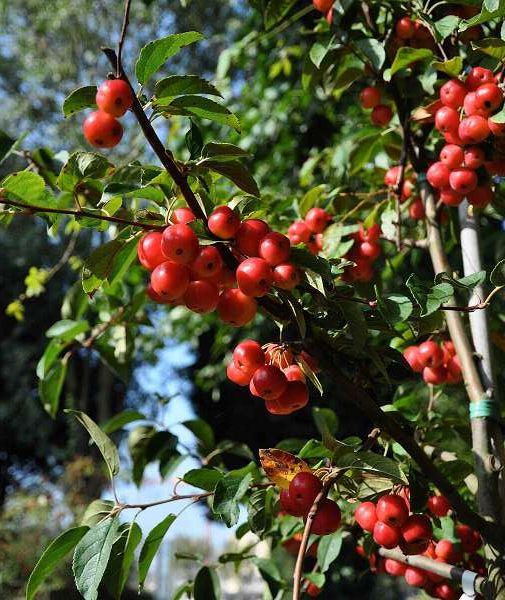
392	179
101	128
365	251
309	231
185	272
370	97
391	525
438	363
272	373
466	162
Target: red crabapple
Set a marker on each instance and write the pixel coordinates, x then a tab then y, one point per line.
417	210
223	222
275	248
435	375
114	97
303	489
180	244
497	129
254	277
235	308
430	354
102	130
182	215
450	197
370	97
473	157
453	93
452	156
149	250
170	280
438	175
201	296
317	220
411	355
438	505
381	115
477	77
299	233
392	509
238	376
447	119
405	28
415	577
366	516
294	373
417	529
286	276
488	97
248	356
463	180
327	519
386	535
474	129
207	262
294	397
269	382
394	567
481	196
249	235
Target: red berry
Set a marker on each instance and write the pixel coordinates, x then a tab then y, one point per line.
317	220
452	138
238	376
392	509
405	28
288	505
463	180
149	250
438	506
477	77
473	157
407	189
411	355
381	115
249	235
275	248
416	210
327	519
323	6
392	176
370	250
386	535
248	356
102	130
201	296
451	198
294	373
497	129
156	297
207	263
370	97
254	277
415	577
488	97
445	591
286	276
299	233
235	308
269	382
303	489
414	548
481	196
294	397
223	222
446	551
183	216
363	270
170	280
451	155
394	567
447	119
472	107
421	31
417	529
180	244
474	129
435	375
114	97
453	93
438	175
430	354
470	539
313	591
366	516
371	234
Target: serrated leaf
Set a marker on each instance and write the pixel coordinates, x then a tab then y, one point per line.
125	559
451	67
280	466
429	299
28	187
206	586
194	140
181	85
99	265
270	573
79	99
204	434
369	462
318	53
121	419
96	512
156	53
91	556
200	106
230	489
326	422
52	558
51	386
395	308
103	442
219	151
494	47
260	510
205	478
373	50
407	56
328	550
446	26
151	545
82	166
236	172
497	276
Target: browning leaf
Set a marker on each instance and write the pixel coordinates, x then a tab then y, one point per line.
280	466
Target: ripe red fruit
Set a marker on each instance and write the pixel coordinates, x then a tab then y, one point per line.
303	489
435	375
446	551
407	189
394	567
235	308
294	373
183	215
405	28
488	97
415	577
180	243
323	5
386	535
481	196
201	296
472	107
286	276
447	119
445	591
381	115
366	516
327	519
363	270
370	250
497	129
411	355
313	591
294	397
473	157
392	176
254	277
438	505
470	539
275	248
248	356
288	505
452	138
249	235
430	354
154	296
416	210
450	197
451	155
371	234
474	129
149	250
207	263
223	222
392	509
317	219
114	97
448	349
453	93
417	529
463	180
438	175
477	77
170	280
299	233
102	130
370	97
238	376
269	382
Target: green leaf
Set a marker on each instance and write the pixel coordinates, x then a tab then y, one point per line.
120	569
499	117
260	510
51	385
91	556
395	308
206	586
52	557
121	419
429	299
373	50
98	266
79	99
494	47
236	172
407	56
465	283
222	152
451	67
156	53
199	106
204	478
310	198
96	512
181	85
328	550
370	462
26	186
47	359
151	546
303	258
203	433
318	579
492	5
318	52
446	26
82	166
327	424
67	329
103	442
276	10
484	16
497	276
270	573
194	140
229	491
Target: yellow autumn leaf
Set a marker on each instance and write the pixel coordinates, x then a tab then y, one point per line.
280	466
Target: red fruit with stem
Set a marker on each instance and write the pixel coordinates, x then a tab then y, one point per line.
279	355
381	115
405	28
481	196
488	97
269	382
497	129
422	33
452	138
411	355
474	129
170	280
180	244
288	505
303	489
407	189
201	296
299	233
327	519
473	157
438	175
254	277
156	297
366	516
149	250
392	509
370	250
238	376
102	130
417	529
223	222
451	198
372	234
463	180
248	356
471	106
435	375
114	97
452	156
447	119
394	567
235	308
470	539
294	373
275	248
392	176
294	397
370	97
286	276
249	235
313	591
386	535
207	263
454	373
183	216
363	270
479	76
453	93
430	354
415	577
446	551
317	219
417	211
448	349
438	505
323	6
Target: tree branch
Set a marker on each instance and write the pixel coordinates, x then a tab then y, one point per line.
122	37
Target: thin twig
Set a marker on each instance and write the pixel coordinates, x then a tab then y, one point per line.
175	498
122	37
